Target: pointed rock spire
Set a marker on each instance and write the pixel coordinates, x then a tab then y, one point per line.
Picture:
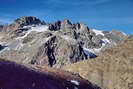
66	24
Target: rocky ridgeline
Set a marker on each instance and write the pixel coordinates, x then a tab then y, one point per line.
30	40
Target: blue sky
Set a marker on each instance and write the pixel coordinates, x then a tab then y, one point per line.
99	14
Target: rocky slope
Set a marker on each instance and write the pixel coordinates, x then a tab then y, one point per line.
30	40
16	76
112	70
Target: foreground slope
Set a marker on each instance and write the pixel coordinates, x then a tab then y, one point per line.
16	76
113	70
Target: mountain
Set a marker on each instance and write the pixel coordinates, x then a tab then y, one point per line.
32	41
17	76
112	70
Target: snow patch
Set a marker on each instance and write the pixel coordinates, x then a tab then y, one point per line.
91	52
19	46
124	33
98	32
39	28
75	82
105	40
96	50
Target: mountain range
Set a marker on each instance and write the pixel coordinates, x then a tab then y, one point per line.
30	40
97	56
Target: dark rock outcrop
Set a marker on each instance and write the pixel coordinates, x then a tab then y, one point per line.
0	47
61	25
25	21
56	26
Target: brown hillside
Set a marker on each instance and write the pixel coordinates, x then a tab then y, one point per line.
112	70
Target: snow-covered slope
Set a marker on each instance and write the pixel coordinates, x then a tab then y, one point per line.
38	28
98	32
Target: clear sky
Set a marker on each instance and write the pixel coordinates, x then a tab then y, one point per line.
99	14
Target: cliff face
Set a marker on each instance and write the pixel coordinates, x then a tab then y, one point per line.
112	70
16	76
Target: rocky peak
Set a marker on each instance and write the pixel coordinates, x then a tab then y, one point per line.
81	26
26	20
66	24
66	21
55	26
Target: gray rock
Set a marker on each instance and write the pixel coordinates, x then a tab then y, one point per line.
66	24
63	43
56	26
26	20
57	52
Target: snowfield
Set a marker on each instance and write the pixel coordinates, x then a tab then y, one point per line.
98	32
91	52
39	28
75	82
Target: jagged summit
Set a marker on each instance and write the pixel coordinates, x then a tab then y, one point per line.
66	24
25	21
66	21
28	20
31	20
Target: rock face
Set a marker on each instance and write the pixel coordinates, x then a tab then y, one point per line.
56	26
112	70
56	52
29	40
14	29
15	76
25	21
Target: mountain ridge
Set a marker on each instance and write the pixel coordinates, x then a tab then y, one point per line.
34	41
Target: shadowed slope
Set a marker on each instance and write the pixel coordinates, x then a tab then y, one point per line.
15	76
